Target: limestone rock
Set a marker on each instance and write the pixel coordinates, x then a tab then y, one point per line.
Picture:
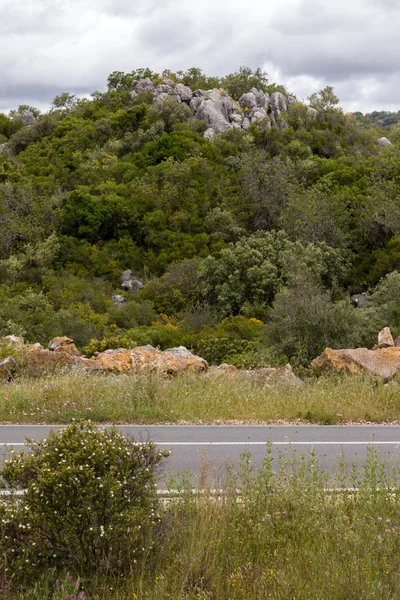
179	360
384	362
258	115
117	299
385	339
111	361
27	118
312	112
160	98
184	92
383	141
142	86
130	283
235	118
165	87
279	103
171	361
215	110
195	103
209	133
248	100
144	358
245	123
63	344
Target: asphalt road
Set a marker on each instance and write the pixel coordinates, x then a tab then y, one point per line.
197	448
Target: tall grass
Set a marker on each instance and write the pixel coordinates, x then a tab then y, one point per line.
283	537
196	398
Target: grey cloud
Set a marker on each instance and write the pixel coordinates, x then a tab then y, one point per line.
59	45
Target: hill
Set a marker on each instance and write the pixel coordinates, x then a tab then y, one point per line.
216	213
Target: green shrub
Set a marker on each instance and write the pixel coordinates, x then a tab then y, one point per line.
223	349
90	503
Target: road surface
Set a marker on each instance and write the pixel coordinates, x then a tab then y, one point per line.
218	445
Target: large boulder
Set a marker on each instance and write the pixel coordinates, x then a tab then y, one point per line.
384	362
279	104
184	92
171	361
111	361
215	110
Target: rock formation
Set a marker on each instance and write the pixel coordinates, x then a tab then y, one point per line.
216	108
34	360
383	360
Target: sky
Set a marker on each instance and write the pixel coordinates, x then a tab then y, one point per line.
53	46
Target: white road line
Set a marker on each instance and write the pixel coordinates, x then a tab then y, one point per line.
278	443
345	443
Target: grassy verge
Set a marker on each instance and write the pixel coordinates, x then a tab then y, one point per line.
61	398
283	537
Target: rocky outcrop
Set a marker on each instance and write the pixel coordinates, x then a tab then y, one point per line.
27	117
383	361
129	283
35	360
170	362
216	108
110	361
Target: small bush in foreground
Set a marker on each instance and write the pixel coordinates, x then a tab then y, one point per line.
90	503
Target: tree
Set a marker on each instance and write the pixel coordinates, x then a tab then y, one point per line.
325	99
243	80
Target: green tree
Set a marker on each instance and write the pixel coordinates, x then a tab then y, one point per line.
325	99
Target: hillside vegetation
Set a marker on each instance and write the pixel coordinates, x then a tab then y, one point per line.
248	245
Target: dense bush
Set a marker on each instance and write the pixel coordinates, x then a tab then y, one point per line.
89	506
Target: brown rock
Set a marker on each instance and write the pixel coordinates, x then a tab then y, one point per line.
397	342
384	362
111	361
145	358
39	360
179	360
63	344
385	339
171	361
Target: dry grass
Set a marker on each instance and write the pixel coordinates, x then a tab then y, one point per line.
60	398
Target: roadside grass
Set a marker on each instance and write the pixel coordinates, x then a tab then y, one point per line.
63	397
283	537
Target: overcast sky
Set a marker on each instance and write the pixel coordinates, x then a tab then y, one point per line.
52	46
